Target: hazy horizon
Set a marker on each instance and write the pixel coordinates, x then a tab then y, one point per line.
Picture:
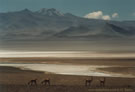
68	49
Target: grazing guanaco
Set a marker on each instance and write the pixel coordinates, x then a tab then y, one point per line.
32	82
46	82
88	81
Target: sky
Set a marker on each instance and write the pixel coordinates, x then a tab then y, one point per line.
98	9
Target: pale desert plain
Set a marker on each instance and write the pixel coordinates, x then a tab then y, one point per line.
66	74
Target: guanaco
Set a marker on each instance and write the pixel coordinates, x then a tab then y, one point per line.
32	82
88	81
46	82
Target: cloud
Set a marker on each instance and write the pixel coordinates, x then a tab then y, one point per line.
106	17
101	15
97	15
94	15
115	15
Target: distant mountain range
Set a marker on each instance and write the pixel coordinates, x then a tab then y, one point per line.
50	24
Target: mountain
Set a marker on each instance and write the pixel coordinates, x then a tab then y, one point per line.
50	24
50	12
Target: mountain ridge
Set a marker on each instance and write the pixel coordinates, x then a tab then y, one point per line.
51	24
